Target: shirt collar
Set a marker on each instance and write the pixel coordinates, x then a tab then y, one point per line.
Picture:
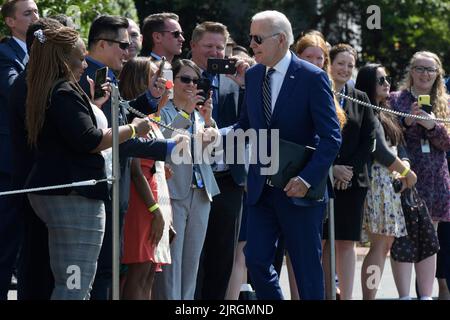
22	44
155	56
101	65
283	65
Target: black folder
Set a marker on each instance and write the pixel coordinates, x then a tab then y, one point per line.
292	159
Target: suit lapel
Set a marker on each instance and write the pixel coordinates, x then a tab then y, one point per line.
18	50
287	87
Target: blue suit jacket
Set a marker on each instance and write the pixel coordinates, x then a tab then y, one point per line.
304	113
11	64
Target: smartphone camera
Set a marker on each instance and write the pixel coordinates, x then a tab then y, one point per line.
397	185
221	66
100	78
424	103
203	84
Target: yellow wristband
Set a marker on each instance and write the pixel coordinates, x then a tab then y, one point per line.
157	119
153	208
133	131
185	114
405	172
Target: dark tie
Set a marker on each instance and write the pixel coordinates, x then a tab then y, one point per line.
267	97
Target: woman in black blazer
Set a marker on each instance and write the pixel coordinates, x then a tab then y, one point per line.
349	170
62	127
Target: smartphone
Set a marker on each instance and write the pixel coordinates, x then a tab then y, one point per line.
101	76
203	84
221	66
424	103
161	66
168	75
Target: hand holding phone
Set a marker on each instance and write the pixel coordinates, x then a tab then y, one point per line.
203	84
101	76
424	103
221	66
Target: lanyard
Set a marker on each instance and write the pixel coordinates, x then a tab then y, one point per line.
342	100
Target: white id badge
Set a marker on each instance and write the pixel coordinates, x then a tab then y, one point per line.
425	144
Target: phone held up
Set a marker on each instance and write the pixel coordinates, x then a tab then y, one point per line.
424	103
221	66
166	74
203	84
101	76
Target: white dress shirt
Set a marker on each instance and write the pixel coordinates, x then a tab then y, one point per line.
277	78
276	81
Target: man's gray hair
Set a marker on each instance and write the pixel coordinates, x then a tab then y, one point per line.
279	22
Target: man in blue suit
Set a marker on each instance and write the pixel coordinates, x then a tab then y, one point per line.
294	97
18	15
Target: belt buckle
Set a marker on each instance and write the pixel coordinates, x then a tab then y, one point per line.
269	182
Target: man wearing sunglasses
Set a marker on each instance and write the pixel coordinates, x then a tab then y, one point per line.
108	44
294	97
208	41
163	36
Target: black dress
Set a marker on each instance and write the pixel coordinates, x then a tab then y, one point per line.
358	137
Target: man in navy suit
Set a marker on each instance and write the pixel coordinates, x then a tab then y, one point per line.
294	97
18	15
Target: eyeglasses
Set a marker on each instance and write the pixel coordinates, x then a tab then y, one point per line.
382	80
188	80
420	69
176	34
122	44
259	39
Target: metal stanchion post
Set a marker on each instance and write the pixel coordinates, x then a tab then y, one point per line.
115	191
331	242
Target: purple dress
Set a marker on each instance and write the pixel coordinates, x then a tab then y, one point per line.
433	181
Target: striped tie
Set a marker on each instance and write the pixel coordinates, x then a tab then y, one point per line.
267	97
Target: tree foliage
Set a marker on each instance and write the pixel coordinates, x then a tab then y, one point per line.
83	11
407	26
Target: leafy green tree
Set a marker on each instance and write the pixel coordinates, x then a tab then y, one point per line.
407	26
83	12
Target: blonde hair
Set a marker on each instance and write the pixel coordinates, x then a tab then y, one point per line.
48	63
438	95
315	40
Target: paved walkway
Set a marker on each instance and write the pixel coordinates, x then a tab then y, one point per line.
387	289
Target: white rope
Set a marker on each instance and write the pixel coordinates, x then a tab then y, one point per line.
59	186
141	115
397	113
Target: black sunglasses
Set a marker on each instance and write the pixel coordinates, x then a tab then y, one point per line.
187	80
122	45
176	34
260	39
381	80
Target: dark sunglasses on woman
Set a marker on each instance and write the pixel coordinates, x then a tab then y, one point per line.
382	80
187	80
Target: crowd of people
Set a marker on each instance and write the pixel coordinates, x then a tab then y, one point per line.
191	230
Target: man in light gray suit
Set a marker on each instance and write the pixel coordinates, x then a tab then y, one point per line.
191	188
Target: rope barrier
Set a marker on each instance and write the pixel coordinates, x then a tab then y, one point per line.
397	113
84	183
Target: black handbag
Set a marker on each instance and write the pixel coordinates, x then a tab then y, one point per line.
421	241
292	159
